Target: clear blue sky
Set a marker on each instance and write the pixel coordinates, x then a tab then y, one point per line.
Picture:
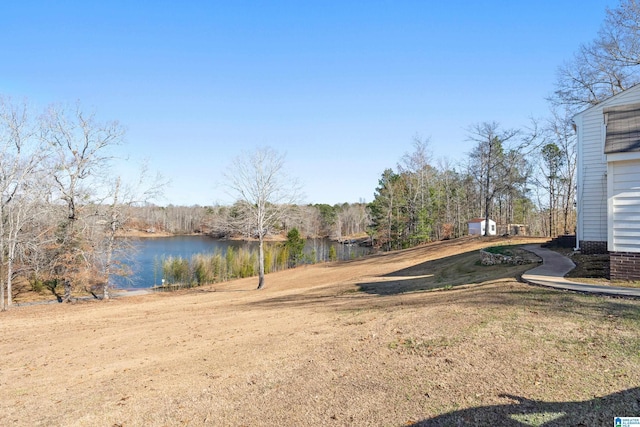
341	87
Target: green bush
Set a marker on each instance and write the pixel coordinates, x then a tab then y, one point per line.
295	245
333	254
499	250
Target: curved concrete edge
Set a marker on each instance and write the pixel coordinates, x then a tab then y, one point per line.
555	266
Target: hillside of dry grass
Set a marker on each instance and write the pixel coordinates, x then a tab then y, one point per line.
350	343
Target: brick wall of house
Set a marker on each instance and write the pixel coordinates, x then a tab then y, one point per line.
591	247
625	265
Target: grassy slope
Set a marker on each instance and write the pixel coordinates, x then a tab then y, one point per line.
314	349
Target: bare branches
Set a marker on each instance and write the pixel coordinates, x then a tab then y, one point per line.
81	150
20	157
259	180
497	167
59	214
607	65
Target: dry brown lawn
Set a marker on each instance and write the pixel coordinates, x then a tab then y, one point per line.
354	343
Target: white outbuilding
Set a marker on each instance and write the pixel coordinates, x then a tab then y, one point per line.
477	227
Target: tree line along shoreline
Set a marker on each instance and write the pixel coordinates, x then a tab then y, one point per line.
62	209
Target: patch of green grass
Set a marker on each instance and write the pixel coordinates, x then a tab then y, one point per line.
444	273
499	250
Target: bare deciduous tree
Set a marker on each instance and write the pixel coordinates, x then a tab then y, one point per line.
260	182
488	160
552	160
419	176
20	158
607	65
124	197
560	131
81	155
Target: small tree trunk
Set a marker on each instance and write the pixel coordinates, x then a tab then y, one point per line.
3	305
105	289
261	263
9	279
487	198
551	212
67	291
113	228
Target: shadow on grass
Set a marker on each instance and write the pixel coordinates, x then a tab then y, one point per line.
552	301
442	273
452	272
599	411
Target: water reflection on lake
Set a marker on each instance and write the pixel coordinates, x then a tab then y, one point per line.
147	258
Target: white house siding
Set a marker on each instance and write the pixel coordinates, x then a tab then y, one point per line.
592	167
624	206
592	193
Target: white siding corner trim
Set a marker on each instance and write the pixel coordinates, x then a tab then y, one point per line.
580	187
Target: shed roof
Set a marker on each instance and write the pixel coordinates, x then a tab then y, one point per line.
475	220
623	129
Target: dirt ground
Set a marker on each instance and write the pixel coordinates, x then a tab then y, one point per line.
348	343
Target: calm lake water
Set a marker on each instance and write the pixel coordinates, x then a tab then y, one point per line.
147	259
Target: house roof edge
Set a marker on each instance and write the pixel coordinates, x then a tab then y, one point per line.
603	104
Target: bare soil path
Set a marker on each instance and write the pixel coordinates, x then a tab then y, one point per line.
351	343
